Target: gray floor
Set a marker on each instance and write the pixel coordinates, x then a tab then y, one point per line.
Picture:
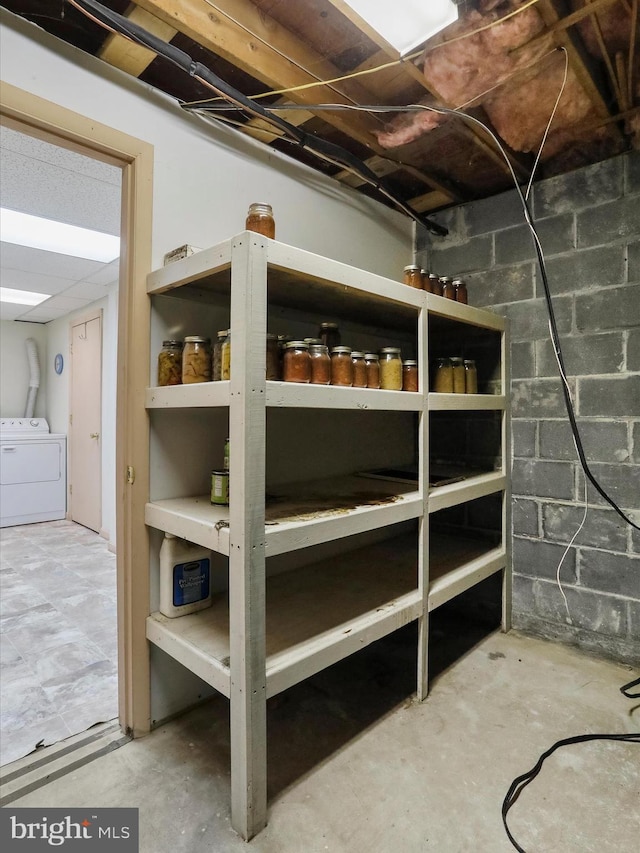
356	765
58	641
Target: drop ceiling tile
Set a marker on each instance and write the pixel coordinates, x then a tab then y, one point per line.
38	282
10	311
86	290
46	263
67	303
107	275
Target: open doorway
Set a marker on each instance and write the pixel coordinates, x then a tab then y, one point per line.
41	119
59	638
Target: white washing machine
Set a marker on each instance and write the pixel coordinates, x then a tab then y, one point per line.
33	472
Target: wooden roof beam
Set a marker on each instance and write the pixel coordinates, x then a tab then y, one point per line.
128	56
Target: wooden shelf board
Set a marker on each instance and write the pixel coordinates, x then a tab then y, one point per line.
468	489
297	515
209	269
316	615
457	563
466	402
297	395
197	395
450	310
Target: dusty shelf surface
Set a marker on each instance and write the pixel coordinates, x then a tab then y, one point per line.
457	563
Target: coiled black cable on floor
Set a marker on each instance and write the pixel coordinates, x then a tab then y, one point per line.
520	783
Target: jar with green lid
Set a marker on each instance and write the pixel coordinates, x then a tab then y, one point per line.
443	376
196	360
390	369
373	369
459	379
170	363
260	219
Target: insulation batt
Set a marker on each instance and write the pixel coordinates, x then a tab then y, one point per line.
459	72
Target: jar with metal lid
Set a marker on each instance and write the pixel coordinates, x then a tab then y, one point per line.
470	376
341	366
297	362
170	363
412	276
443	376
460	289
426	284
373	369
448	290
409	375
312	341
260	219
320	364
329	334
196	360
272	367
225	364
459	380
216	357
390	369
359	370
435	285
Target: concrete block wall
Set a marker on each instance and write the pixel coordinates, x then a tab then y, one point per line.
589	227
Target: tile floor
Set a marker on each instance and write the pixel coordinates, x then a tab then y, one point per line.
58	640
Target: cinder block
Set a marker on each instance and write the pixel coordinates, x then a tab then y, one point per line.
538	398
576	190
523	437
603	441
542	479
524	517
583	269
590	611
616	308
633	260
633	610
610	396
501	284
608	222
618	574
620	482
493	214
540	559
633	349
471	255
522	359
635	442
632	172
556	234
583	354
529	319
603	528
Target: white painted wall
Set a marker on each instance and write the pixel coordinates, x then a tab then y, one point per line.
205	178
14	367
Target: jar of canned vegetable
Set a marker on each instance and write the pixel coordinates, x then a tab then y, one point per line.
196	360
390	369
170	363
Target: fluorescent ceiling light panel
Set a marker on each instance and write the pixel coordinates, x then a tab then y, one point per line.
22	297
38	233
406	23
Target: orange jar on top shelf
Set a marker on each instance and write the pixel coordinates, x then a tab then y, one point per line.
341	366
297	362
260	219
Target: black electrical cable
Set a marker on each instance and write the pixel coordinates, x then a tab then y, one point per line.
520	783
318	146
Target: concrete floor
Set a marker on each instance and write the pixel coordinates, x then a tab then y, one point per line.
356	765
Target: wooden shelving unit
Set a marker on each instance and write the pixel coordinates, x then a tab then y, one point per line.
268	631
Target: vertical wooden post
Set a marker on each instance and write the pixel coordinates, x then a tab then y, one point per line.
423	474
246	544
506	464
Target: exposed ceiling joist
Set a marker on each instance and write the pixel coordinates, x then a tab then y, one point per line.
128	56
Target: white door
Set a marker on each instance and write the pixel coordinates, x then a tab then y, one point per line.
85	423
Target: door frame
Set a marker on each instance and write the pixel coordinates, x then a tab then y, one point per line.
96	314
35	116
